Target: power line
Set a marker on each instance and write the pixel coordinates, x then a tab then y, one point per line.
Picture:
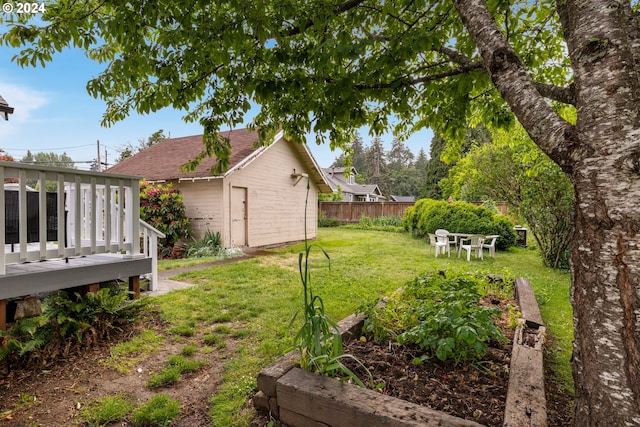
48	148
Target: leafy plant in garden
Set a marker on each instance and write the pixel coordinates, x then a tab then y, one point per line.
440	314
69	319
210	245
26	336
161	206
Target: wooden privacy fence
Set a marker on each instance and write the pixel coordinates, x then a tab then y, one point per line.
346	212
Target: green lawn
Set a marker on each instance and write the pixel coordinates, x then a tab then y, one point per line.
254	300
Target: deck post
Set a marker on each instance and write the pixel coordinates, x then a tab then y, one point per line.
134	287
3	268
3	314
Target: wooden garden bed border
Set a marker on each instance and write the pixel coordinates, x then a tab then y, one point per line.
302	399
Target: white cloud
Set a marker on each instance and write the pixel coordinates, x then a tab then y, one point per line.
26	103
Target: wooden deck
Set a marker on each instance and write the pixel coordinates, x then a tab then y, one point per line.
66	228
50	275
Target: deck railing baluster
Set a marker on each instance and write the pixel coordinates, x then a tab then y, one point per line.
93	213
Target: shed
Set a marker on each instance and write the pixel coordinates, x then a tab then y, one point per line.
258	202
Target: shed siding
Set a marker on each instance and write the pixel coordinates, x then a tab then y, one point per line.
275	206
204	208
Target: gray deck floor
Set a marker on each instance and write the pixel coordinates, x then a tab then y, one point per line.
50	275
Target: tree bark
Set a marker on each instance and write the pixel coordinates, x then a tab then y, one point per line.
602	156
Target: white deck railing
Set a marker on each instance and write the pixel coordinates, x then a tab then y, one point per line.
96	213
150	236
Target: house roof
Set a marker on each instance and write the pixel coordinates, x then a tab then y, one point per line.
5	110
335	177
403	198
162	161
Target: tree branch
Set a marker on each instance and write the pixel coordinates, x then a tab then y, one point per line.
402	81
549	131
565	95
339	9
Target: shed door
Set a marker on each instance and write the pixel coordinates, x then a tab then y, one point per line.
238	216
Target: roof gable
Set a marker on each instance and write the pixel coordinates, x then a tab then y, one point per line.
162	161
335	177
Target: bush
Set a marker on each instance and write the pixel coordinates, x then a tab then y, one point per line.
323	221
442	315
161	206
428	215
70	321
210	245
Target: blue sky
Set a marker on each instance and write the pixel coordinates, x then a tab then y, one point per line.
54	113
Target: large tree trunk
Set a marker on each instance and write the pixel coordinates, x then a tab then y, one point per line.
606	249
602	156
606	267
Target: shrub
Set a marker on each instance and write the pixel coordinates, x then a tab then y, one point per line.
69	319
323	221
161	206
210	245
428	215
365	222
442	315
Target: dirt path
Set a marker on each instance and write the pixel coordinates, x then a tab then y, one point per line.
56	394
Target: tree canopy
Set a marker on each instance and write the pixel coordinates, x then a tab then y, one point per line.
322	67
328	67
127	150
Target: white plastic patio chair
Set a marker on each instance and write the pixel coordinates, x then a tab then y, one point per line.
439	243
453	241
472	243
491	246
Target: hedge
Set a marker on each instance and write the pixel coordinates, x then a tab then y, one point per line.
429	215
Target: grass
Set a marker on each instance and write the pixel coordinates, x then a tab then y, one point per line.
254	300
159	411
126	355
106	410
176	366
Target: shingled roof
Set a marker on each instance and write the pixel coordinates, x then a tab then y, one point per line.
162	161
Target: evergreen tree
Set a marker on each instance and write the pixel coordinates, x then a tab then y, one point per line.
435	170
399	156
421	165
376	166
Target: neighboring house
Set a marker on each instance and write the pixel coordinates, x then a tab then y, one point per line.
5	109
407	199
351	190
259	201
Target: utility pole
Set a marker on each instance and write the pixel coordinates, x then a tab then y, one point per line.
106	161
99	164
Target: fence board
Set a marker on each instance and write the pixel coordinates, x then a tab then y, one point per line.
349	212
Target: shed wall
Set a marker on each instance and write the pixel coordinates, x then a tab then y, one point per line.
204	207
275	200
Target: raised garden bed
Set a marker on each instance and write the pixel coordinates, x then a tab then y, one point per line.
302	399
